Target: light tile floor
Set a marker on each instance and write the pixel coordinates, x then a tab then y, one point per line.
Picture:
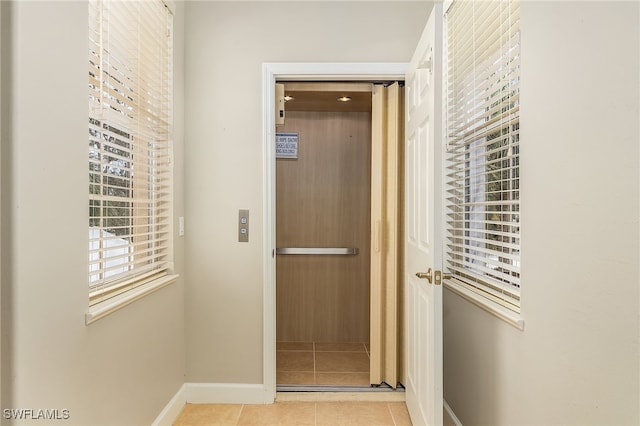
335	364
356	413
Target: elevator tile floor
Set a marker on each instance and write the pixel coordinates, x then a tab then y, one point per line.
330	364
319	413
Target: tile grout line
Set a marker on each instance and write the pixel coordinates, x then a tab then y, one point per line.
353	372
393	419
240	414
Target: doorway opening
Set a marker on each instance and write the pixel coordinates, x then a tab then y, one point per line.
337	198
294	72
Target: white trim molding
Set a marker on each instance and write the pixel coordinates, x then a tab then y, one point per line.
172	410
211	393
271	72
109	306
506	315
451	414
355	71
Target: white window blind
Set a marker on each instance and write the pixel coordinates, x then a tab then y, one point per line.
483	148
130	116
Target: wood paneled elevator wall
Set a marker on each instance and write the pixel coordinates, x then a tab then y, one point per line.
323	200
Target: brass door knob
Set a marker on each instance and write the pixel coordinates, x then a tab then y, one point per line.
426	275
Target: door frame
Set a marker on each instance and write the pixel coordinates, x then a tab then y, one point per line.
294	71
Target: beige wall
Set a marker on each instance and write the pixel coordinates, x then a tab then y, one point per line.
226	44
577	362
124	368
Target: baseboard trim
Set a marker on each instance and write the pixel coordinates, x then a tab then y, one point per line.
172	410
211	393
227	393
451	414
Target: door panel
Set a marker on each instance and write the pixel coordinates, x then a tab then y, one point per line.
387	238
323	200
423	301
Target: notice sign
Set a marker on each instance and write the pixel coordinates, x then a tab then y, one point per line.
286	145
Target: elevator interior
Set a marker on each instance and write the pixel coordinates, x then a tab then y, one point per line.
340	234
323	222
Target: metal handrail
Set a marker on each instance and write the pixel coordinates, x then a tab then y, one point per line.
318	250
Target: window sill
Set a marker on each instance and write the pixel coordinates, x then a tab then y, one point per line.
512	318
102	309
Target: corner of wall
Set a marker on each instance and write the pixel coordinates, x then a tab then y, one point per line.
172	410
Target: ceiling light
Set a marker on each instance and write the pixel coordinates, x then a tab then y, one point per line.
344	99
288	98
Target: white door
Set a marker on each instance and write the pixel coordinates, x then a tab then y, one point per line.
423	300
